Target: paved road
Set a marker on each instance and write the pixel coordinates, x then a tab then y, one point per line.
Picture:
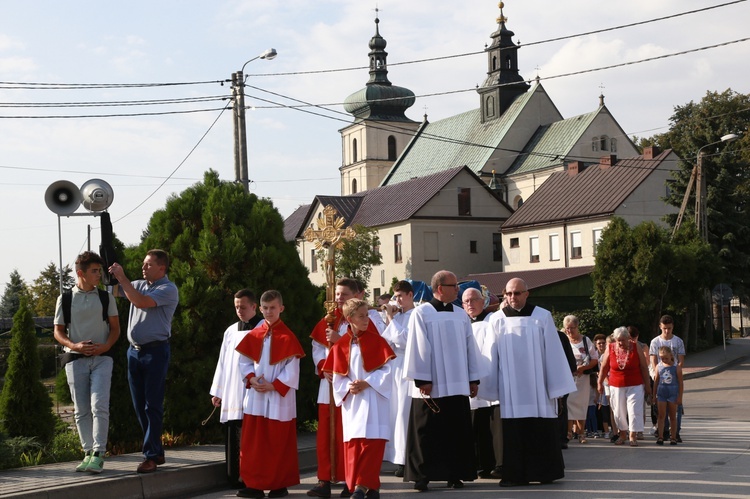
713	461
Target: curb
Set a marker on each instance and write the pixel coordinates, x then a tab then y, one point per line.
714	370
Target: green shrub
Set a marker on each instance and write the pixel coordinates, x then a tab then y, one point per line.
62	390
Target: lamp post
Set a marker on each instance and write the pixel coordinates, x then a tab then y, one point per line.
240	133
701	219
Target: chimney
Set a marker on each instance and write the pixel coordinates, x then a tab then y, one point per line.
607	161
574	168
650	152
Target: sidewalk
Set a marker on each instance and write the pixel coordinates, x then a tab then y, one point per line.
190	471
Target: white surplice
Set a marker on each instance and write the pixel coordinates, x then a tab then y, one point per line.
396	333
320	353
533	370
271	404
487	392
441	349
228	384
366	414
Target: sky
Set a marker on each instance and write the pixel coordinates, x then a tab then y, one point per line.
295	152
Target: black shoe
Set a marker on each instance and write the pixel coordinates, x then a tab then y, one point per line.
372	494
455	484
508	483
322	489
253	493
359	493
485	474
345	492
497	472
421	485
678	438
399	471
279	493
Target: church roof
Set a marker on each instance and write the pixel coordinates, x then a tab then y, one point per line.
534	279
596	191
455	141
382	205
551	143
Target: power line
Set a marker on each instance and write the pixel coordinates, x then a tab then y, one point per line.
115	103
10	85
114	115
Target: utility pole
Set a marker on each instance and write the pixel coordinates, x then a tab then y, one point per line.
240	131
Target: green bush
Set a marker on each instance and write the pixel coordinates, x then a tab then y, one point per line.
48	358
62	390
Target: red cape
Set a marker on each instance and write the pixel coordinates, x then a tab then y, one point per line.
374	349
319	331
284	343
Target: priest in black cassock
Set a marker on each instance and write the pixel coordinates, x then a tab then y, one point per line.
533	372
442	358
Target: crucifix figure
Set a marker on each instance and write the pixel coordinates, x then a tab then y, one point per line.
330	236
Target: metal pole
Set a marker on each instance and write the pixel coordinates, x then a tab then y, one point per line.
59	246
701	220
245	179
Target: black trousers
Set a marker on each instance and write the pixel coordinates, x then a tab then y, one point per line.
232	439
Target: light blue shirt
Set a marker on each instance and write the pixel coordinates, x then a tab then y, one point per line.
153	324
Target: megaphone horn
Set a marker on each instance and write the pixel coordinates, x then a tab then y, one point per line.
63	197
97	195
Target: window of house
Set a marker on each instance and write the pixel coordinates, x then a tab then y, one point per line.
597	234
431	247
613	145
376	248
534	249
313	261
397	248
514	242
354	186
391	148
354	150
604	143
595	144
375	293
382	279
554	247
489	106
575	245
497	247
464	202
472	246
518	202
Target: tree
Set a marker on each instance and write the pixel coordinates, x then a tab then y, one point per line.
25	406
220	240
14	291
359	254
46	289
727	170
640	274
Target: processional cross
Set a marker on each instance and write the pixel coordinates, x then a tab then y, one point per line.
330	236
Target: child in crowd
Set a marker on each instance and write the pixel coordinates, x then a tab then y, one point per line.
592	426
602	403
359	362
668	387
270	368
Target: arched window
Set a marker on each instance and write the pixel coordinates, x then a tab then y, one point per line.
354	150
494	62
604	143
508	62
518	202
595	144
354	186
490	106
391	148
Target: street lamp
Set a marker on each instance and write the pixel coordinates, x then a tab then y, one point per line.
701	219
240	133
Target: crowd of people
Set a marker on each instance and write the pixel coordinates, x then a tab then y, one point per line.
453	389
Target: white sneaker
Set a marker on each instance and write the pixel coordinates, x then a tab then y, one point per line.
607	434
653	430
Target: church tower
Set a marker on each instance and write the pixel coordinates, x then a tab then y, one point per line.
380	131
503	83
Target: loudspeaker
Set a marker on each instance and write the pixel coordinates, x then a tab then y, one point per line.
63	197
97	195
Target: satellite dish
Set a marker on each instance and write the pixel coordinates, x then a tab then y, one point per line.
62	197
97	195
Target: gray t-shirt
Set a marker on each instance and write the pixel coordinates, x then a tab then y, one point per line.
675	343
86	316
153	324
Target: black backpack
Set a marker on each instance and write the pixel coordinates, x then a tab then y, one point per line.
67	301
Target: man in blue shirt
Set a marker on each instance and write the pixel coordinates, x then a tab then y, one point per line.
153	301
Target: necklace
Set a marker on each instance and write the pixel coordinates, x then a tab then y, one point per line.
622	357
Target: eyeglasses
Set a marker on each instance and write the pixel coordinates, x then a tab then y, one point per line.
514	293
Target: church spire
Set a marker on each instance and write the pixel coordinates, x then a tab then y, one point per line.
378	56
503	83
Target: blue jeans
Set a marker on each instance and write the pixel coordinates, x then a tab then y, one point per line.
147	375
89	379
